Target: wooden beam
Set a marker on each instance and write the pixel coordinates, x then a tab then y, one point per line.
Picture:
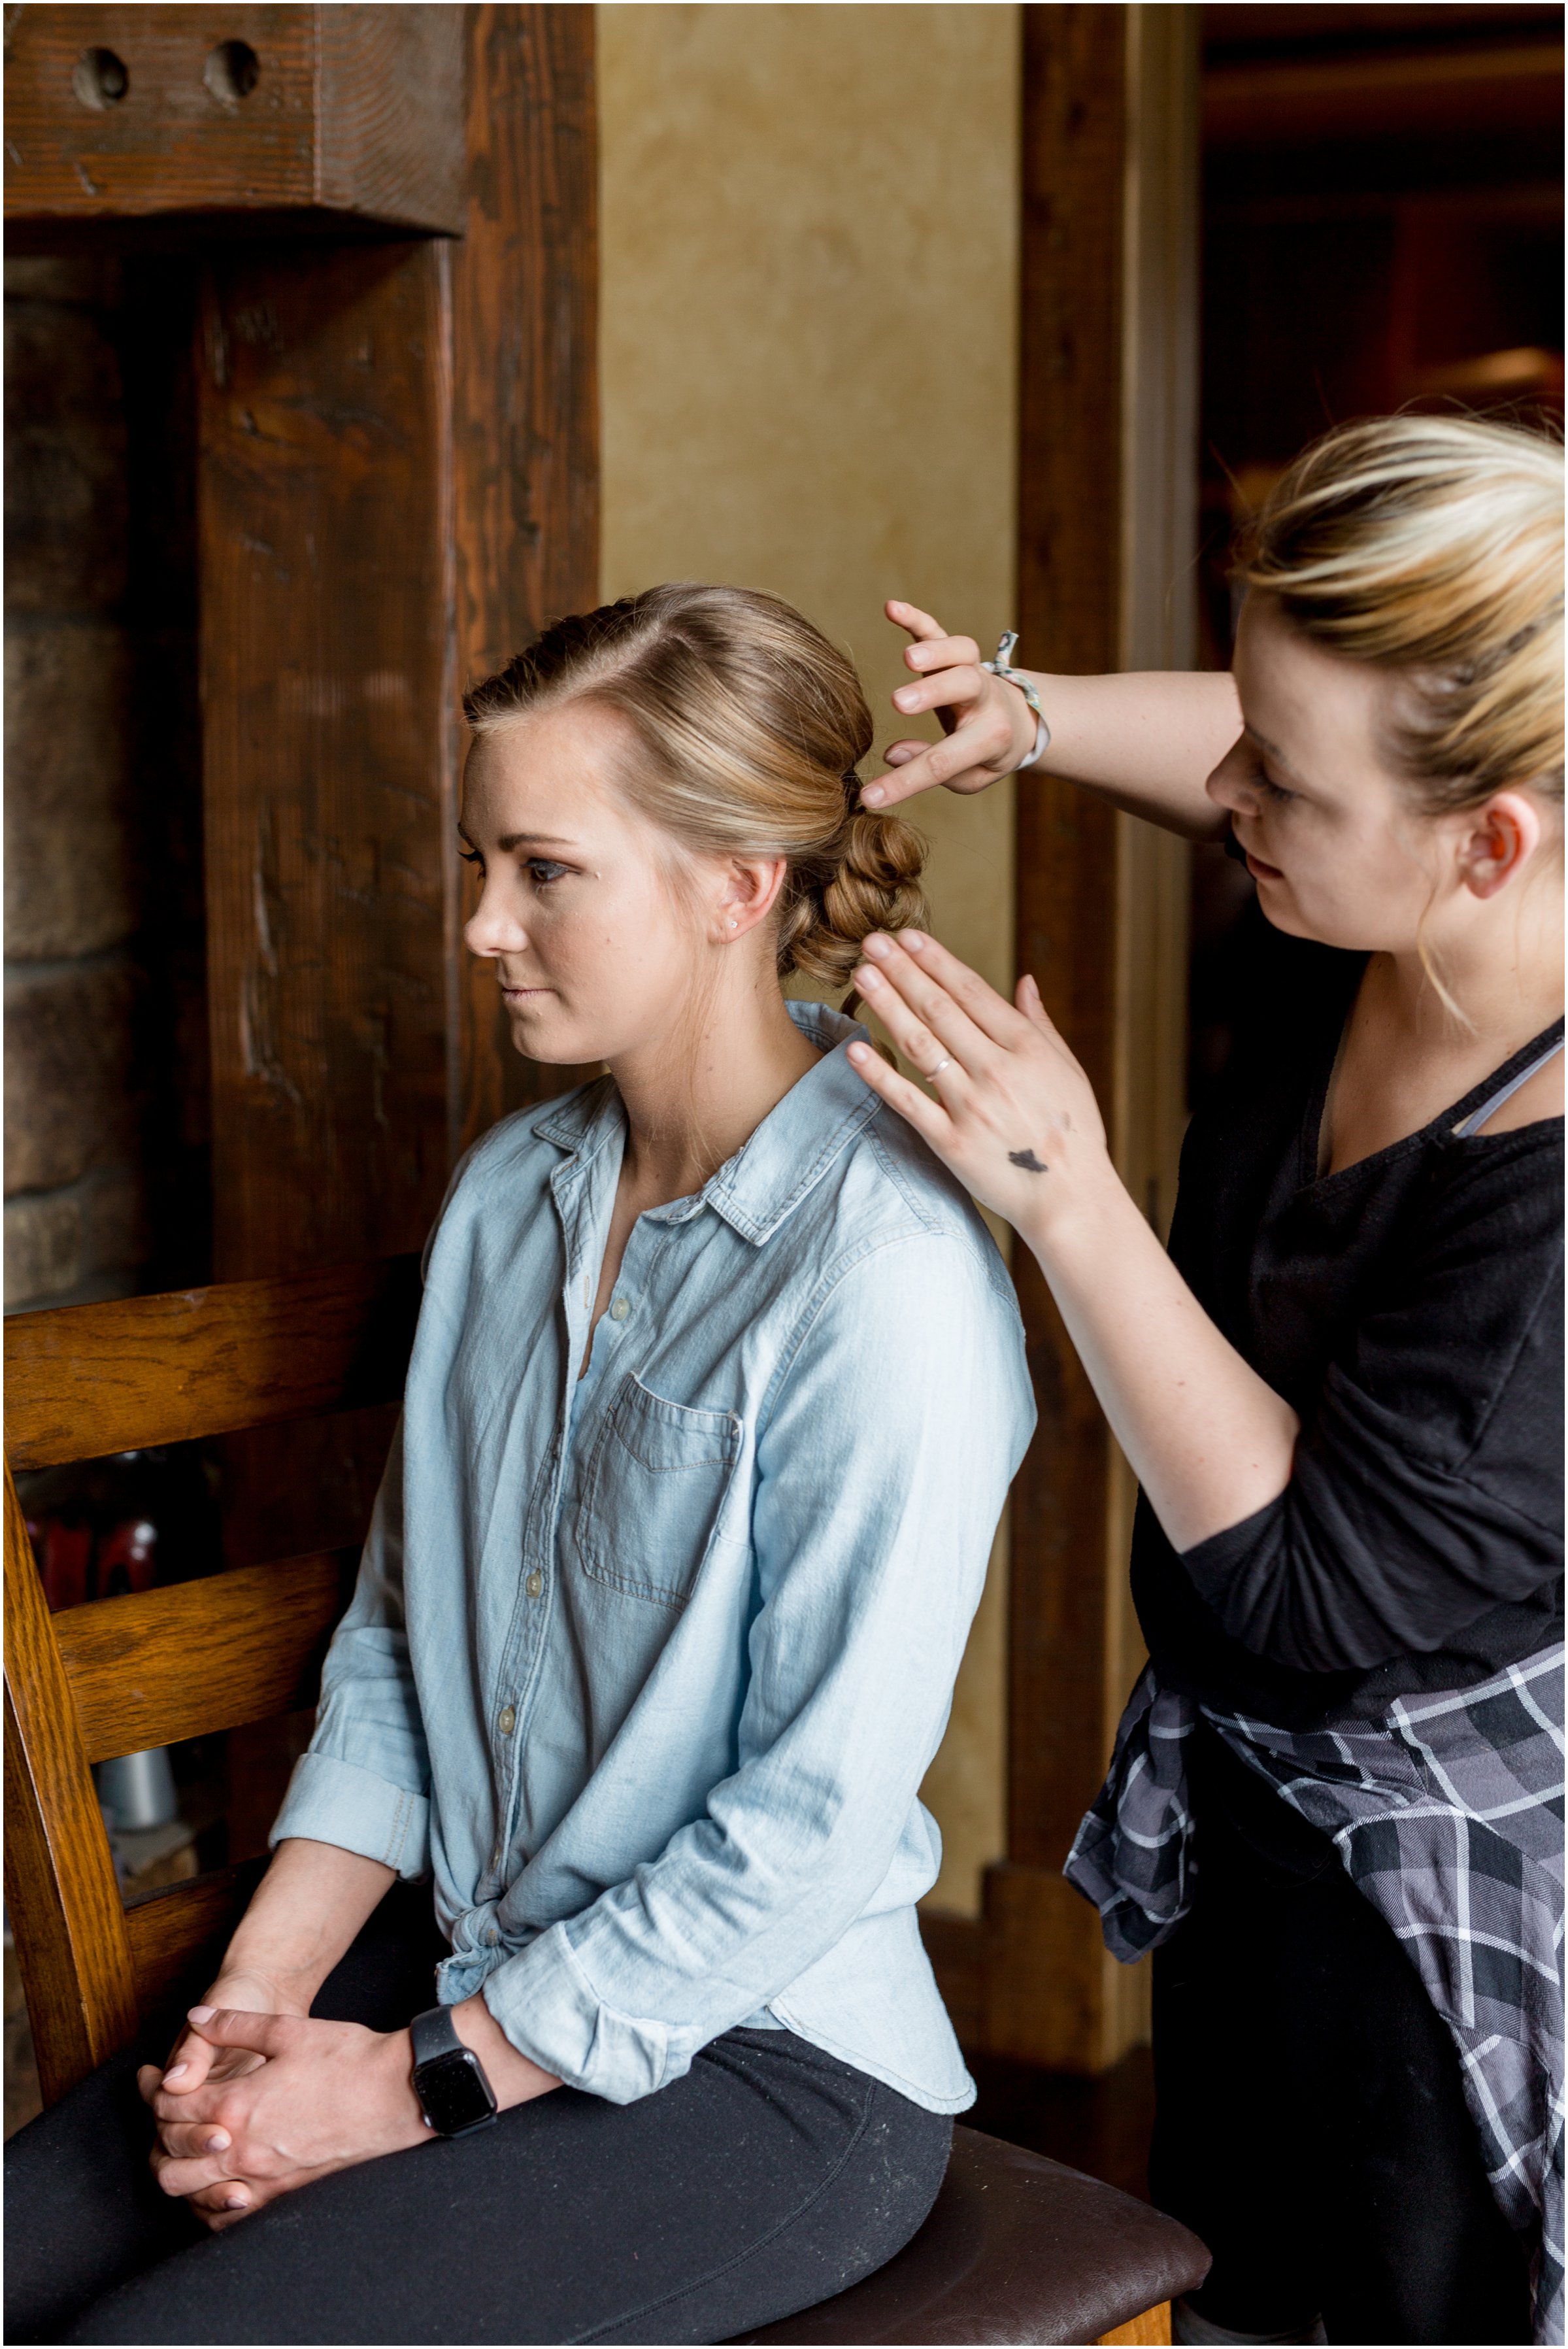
1514	86
338	119
1108	499
1043	1977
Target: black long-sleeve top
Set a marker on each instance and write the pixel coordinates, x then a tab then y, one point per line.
1409	1308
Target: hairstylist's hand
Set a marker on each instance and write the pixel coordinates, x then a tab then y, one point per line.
1015	1117
311	2097
990	727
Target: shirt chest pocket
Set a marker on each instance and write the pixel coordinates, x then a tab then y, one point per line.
651	1495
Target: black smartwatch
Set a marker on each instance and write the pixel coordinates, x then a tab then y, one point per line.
449	2078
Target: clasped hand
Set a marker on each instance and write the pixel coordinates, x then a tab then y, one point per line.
257	2100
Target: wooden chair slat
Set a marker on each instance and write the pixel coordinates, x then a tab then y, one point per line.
182	1928
1149	2331
60	1884
160	1665
122	1674
88	1380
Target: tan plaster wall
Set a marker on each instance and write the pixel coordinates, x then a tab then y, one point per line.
809	287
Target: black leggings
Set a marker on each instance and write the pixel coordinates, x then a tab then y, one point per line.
1310	2123
770	2178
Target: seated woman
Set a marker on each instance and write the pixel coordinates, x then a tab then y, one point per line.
717	1391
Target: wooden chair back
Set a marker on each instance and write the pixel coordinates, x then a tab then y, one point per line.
117	1675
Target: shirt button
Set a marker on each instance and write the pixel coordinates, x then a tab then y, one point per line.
621	1307
508	1721
534	1584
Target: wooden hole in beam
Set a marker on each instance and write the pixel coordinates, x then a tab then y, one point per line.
232	72
100	79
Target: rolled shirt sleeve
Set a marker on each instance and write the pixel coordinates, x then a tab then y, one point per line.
884	1454
365	1783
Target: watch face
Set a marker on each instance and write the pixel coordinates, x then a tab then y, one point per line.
454	2092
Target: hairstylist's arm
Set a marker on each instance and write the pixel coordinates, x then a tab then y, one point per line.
1016	1120
1147	741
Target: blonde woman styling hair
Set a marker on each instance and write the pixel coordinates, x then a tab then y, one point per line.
658	1624
1333	1809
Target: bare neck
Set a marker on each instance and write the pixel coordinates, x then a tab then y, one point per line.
1505	970
692	1099
1404	1058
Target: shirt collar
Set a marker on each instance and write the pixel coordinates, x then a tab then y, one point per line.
782	1162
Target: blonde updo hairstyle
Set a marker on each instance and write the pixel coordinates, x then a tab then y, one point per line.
1432	547
749	727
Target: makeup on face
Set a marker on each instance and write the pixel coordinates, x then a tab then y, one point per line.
596	954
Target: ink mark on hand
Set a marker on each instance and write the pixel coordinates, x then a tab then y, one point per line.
1028	1161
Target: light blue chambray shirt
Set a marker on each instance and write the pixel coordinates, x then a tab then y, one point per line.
647	1670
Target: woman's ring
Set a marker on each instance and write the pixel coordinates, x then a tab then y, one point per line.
946	1061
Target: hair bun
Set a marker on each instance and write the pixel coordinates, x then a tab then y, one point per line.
873	882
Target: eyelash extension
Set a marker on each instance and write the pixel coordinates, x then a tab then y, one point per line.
470	856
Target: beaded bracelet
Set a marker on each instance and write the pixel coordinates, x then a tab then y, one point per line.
1002	667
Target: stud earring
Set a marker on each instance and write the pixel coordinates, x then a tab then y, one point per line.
734	925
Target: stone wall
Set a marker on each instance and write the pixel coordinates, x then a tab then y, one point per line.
105	1023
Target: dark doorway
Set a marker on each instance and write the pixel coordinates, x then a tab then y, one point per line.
1382	228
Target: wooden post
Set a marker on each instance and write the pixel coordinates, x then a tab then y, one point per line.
1107	542
392	211
397	484
525	399
325	680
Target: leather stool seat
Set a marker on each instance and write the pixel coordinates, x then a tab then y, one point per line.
1016	2248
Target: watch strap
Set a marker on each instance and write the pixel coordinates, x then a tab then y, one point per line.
435	2034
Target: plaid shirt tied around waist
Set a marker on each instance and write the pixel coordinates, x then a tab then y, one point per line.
1446	1811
